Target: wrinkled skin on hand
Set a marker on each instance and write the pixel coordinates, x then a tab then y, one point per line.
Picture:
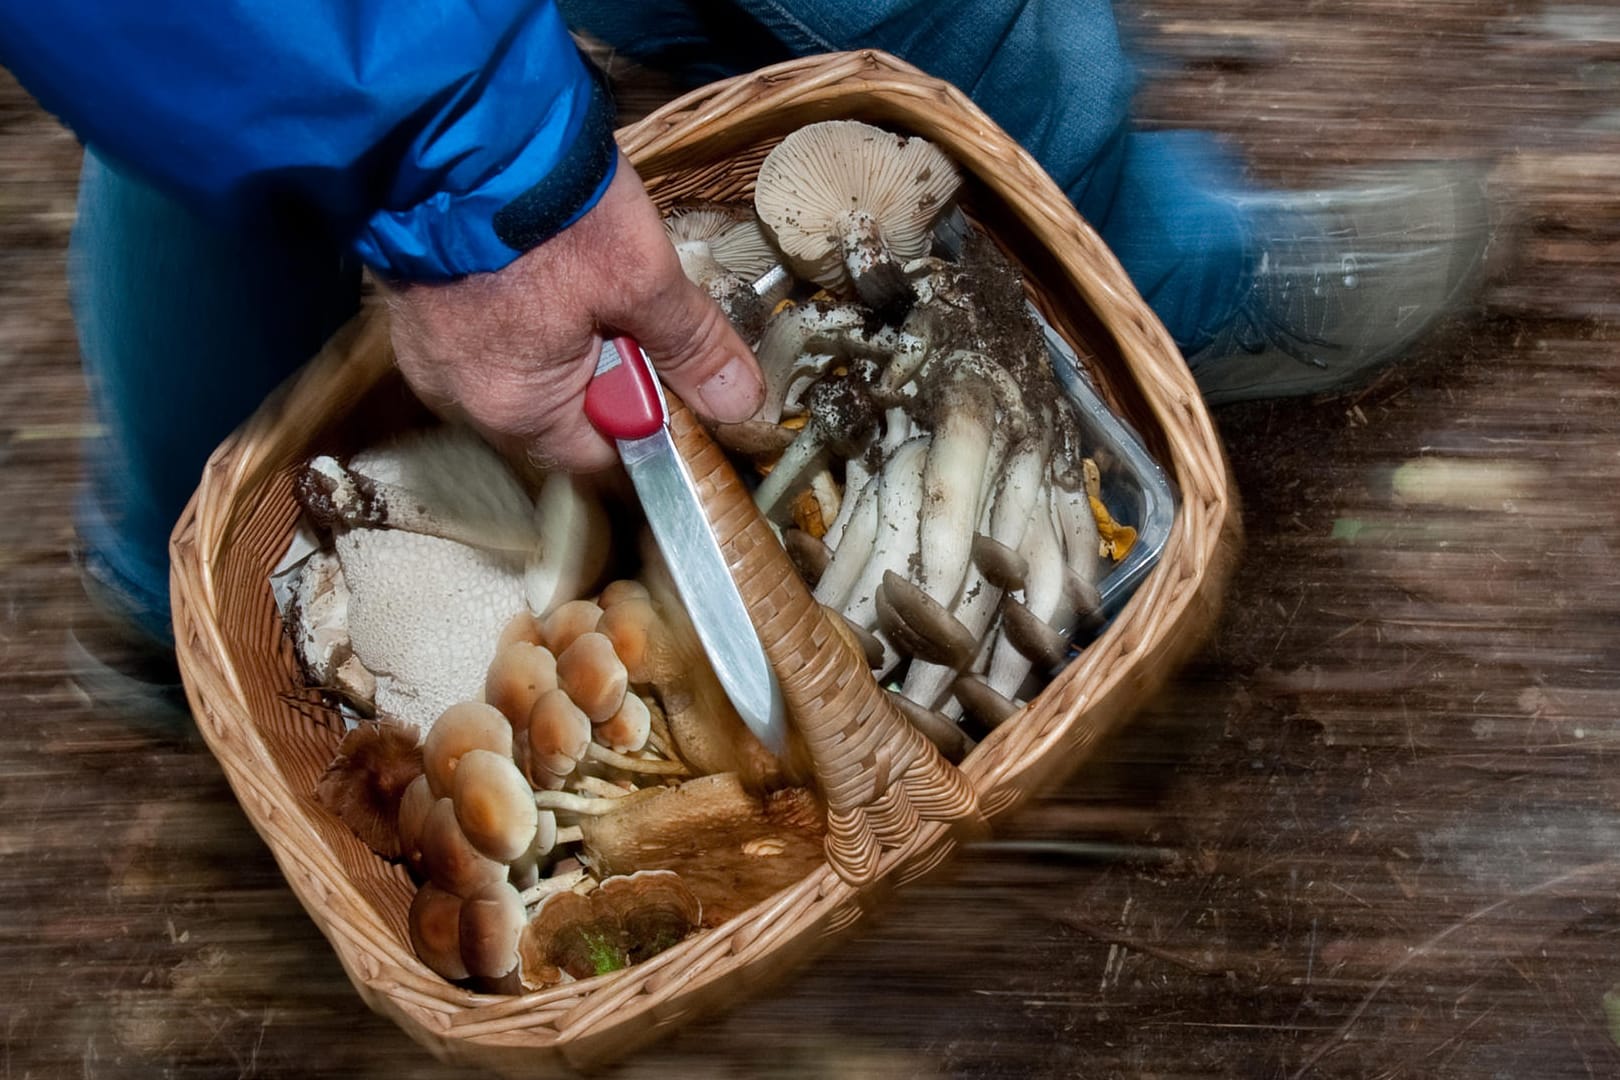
512	351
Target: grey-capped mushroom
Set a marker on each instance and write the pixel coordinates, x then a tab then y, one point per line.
850	204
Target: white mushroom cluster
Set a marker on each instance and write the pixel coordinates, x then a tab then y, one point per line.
917	456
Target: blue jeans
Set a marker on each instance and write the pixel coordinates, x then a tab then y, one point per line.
185	328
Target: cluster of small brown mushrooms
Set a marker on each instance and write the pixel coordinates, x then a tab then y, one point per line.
551	758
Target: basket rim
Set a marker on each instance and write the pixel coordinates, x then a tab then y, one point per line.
382	968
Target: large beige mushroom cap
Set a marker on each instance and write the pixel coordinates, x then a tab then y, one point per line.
849	204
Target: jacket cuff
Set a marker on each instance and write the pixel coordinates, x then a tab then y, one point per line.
452	234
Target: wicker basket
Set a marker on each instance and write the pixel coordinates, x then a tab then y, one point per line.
896	810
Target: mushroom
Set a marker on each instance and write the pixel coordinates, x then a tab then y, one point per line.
787	357
627	730
969	399
574	543
567	621
726	234
853	549
731	848
810	554
655	910
414	807
920	626
424	615
466	726
547	839
839	415
705	728
366	781
1006	520
1044	594
1001	565
593	676
618	591
494	805
490	925
434	922
1082	550
441	547
723	251
849	203
523	627
633	626
444	482
559	735
567	935
900	498
520	673
449	860
939	729
317	620
983	702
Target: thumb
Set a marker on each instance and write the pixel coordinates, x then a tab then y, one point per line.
698	354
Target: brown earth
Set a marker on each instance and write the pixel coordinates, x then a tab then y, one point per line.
1369	832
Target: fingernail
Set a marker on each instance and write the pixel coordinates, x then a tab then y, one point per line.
733	393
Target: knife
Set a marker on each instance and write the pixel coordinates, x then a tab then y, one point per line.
625	403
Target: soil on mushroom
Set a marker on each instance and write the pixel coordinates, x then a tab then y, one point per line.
1008	333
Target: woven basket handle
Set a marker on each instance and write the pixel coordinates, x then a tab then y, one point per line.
879	775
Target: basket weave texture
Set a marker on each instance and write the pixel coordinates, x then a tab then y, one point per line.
896	810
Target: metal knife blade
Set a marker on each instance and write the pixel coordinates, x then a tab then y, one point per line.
625	402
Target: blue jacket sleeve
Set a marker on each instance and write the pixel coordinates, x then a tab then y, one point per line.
436	137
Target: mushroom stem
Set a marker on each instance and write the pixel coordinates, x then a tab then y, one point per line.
595	786
447	483
784	350
840	415
900	497
575	541
553	885
850	555
605	756
570	803
965	415
1007	519
1082	548
1043	591
859	477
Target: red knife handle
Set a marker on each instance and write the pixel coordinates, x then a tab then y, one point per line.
622	400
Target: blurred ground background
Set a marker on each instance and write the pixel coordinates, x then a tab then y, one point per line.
1373	829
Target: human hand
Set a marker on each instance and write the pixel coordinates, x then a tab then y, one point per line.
513	351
